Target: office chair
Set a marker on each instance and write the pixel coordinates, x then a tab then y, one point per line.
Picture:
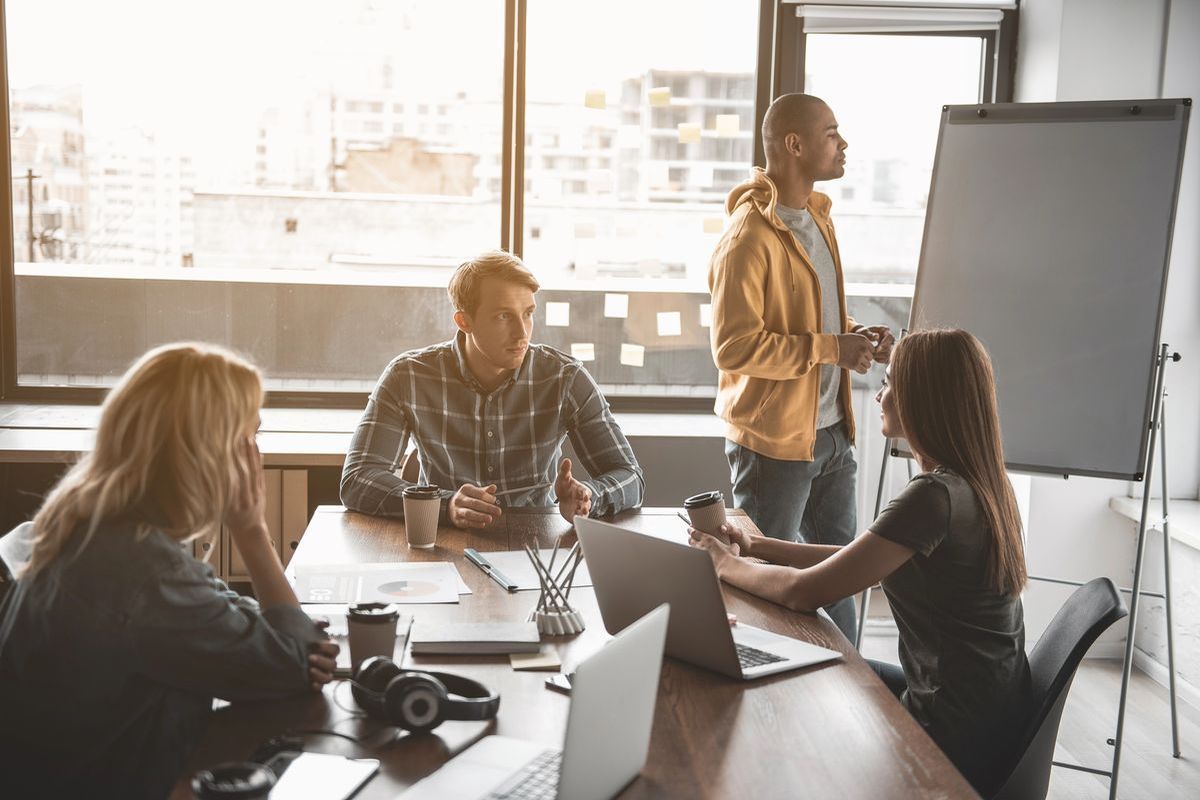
1088	612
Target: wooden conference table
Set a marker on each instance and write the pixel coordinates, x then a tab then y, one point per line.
828	731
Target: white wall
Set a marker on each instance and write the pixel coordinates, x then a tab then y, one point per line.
1103	50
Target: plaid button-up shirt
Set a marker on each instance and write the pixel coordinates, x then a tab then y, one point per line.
511	436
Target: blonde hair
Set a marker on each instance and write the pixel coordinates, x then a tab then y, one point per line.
467	281
946	399
166	454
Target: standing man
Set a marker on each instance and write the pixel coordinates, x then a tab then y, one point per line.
783	342
489	412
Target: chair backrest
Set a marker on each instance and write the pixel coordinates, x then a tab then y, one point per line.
1088	612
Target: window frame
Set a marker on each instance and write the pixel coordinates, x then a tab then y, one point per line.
780	59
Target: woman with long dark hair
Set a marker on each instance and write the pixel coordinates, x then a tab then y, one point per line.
948	552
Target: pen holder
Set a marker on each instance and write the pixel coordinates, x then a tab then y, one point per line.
553	613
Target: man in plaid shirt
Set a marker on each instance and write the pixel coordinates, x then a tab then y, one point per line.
488	412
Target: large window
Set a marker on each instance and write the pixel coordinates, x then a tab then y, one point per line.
886	72
297	178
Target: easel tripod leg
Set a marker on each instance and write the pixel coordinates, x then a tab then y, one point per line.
865	598
1166	495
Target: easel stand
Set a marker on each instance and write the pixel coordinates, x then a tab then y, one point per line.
1157	430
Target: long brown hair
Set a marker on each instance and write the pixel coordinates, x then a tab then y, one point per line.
946	398
167	441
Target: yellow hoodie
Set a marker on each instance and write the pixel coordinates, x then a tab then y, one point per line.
767	335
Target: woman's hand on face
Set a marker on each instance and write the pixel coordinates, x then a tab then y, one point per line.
248	506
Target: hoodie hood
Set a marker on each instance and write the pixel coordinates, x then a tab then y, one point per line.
760	190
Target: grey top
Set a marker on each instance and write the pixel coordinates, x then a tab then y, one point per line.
809	236
511	436
962	644
107	681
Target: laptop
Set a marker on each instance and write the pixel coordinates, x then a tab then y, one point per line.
608	732
633	572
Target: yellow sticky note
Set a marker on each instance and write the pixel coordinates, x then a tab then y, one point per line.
616	305
547	658
669	323
583	351
658	174
558	315
594	98
706	315
633	355
689	132
714	224
727	125
585	230
660	96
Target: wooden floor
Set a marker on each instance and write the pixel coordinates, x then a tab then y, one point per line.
1148	771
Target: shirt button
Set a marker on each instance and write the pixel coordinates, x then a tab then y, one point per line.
490	434
490	469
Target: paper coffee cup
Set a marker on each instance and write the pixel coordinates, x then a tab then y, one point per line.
706	511
422	505
372	631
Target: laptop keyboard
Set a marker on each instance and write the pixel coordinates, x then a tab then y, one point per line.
536	780
750	657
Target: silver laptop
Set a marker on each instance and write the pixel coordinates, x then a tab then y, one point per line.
632	573
608	732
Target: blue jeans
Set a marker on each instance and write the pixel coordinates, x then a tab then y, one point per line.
802	501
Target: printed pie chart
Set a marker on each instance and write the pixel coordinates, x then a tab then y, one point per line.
407	589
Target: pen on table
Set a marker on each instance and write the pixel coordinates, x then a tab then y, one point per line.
478	560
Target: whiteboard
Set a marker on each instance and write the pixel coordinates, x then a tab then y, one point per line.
1048	235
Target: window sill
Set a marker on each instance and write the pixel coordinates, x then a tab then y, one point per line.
1184	519
289	437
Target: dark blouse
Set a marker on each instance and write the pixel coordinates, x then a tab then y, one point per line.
107	681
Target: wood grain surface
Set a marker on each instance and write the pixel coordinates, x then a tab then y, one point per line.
827	731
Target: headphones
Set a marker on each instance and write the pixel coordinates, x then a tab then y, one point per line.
419	701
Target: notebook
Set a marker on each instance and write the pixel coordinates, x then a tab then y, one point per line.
474	638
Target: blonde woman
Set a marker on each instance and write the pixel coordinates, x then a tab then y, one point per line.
948	552
114	640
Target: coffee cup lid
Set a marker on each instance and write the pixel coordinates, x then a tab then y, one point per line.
421	492
373	612
704	499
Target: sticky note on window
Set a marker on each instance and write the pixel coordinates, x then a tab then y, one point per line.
714	224
585	230
669	323
727	125
594	98
633	355
616	305
558	315
584	351
706	315
689	132
660	96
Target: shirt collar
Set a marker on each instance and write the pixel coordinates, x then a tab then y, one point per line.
460	356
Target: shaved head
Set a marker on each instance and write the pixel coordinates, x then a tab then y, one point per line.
790	113
802	141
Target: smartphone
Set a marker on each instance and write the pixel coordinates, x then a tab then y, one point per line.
560	682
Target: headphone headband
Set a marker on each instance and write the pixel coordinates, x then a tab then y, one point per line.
417	700
477	703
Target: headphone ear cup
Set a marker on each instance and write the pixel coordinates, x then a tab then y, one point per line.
370	682
416	701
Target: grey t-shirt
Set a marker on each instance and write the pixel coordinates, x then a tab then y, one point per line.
962	644
809	236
